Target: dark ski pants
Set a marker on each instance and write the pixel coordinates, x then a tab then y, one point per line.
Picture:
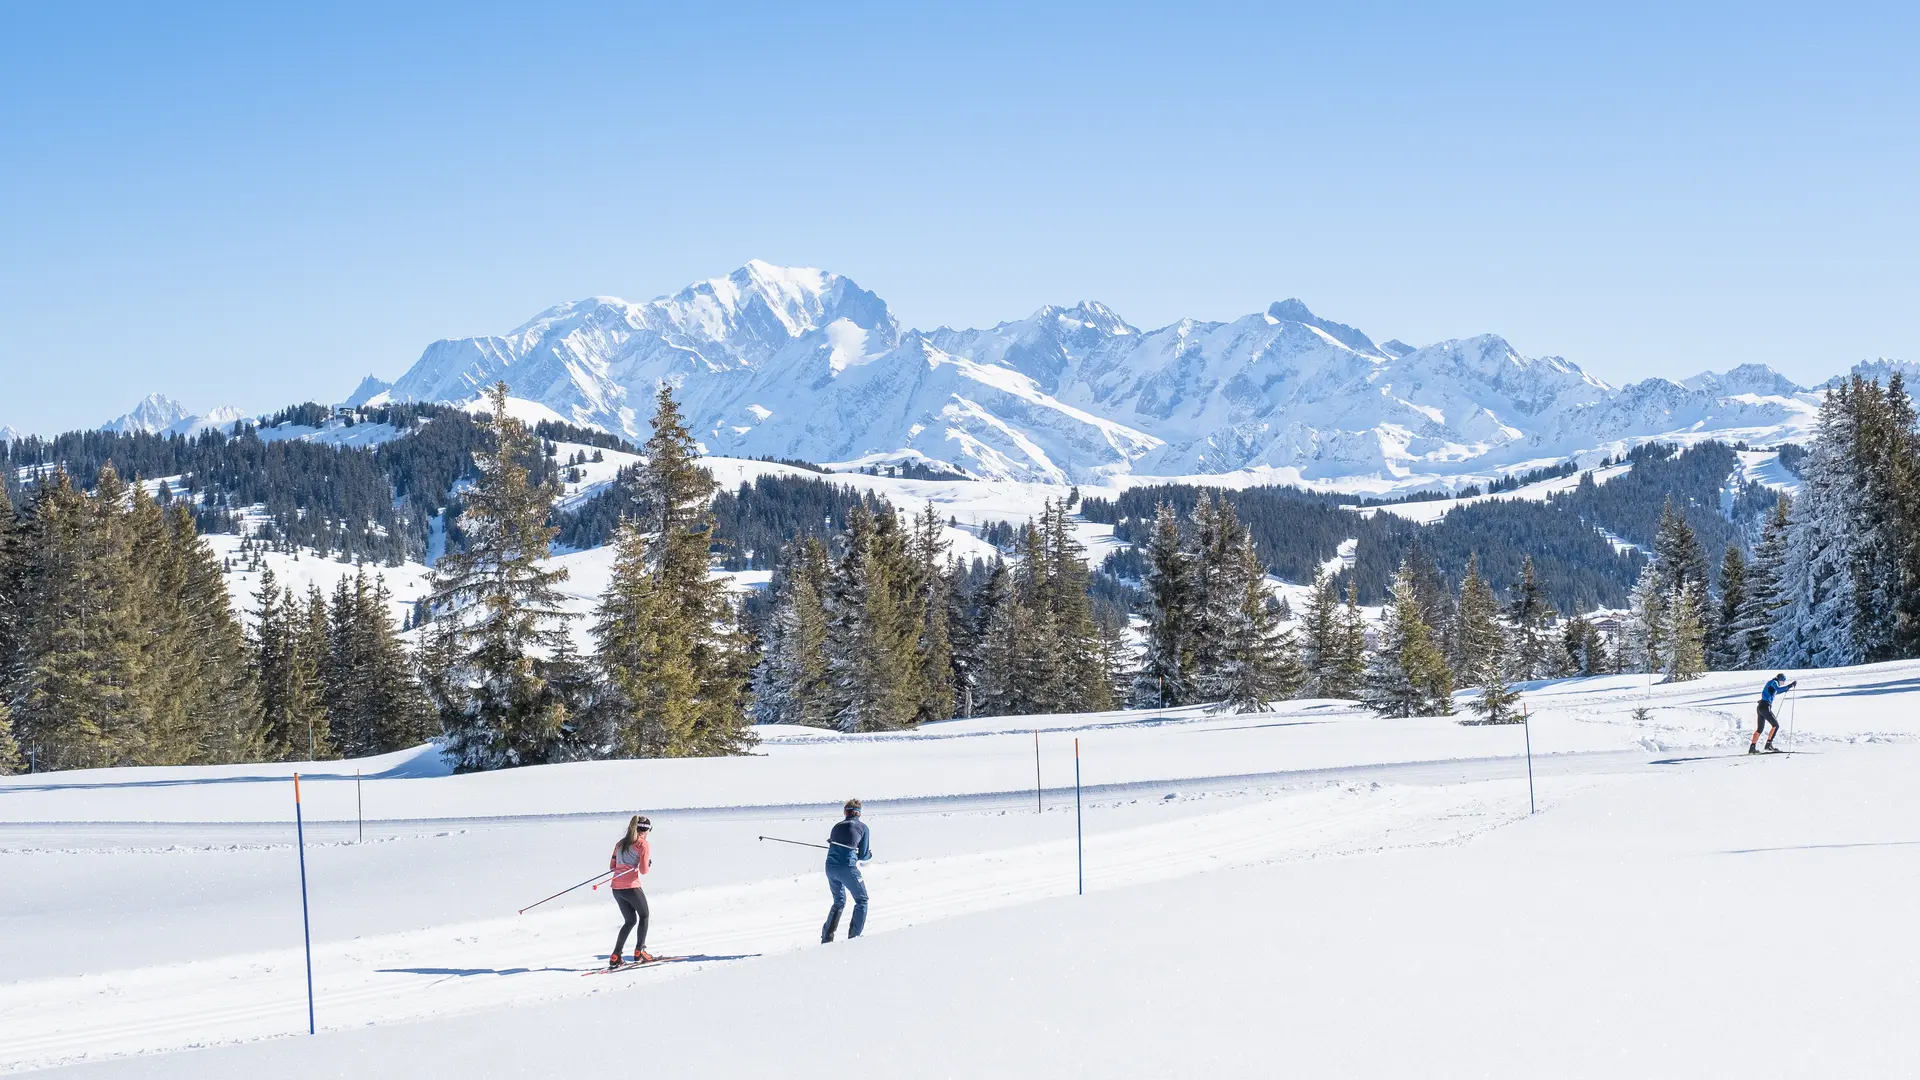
1764	718
842	880
633	906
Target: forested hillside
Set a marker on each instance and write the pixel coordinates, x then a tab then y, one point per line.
373	504
1297	531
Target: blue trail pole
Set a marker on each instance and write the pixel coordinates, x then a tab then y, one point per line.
1079	844
306	926
1526	726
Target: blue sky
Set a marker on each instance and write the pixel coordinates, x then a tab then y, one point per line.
258	204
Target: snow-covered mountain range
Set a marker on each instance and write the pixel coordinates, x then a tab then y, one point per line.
803	363
158	414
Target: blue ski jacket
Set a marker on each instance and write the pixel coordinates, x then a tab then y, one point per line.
1774	686
847	843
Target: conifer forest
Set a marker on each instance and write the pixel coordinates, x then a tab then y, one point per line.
119	643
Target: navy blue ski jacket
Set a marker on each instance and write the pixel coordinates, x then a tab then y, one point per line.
848	843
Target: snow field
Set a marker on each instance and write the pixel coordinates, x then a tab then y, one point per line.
1324	892
509	959
1721	917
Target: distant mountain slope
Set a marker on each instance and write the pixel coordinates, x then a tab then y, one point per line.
804	363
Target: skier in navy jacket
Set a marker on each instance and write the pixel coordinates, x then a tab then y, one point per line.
847	848
1775	686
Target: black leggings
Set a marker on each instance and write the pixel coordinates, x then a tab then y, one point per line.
1765	717
633	906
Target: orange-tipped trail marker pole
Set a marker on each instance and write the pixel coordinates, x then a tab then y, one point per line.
306	925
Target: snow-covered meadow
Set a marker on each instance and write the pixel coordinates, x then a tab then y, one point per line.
1311	890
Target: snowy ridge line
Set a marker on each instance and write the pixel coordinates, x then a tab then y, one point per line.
1443	769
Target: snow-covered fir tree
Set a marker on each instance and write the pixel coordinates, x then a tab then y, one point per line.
1408	676
1259	659
1586	648
1344	671
790	685
286	669
1817	621
498	610
1166	671
1320	633
1751	637
1685	634
665	628
1726	648
1535	652
1643	631
1480	638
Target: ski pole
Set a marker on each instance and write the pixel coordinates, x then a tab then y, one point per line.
796	843
567	890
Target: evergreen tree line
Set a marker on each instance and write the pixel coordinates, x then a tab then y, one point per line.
376	505
333	677
119	646
670	665
117	642
1297	531
1836	580
1214	633
879	629
753	523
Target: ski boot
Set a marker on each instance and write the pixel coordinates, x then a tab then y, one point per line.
1752	749
614	963
642	956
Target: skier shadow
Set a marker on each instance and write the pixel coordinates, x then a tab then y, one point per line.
464	972
461	973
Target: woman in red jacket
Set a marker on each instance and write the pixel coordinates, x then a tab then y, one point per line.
631	858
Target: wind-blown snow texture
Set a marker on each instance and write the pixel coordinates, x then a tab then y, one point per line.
804	363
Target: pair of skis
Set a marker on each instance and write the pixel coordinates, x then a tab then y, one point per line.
655	962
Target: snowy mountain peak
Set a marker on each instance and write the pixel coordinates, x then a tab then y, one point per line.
804	363
155	413
11	434
158	414
1881	369
369	389
1295	311
773	304
1745	379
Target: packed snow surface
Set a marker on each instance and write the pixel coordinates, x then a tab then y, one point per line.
1311	891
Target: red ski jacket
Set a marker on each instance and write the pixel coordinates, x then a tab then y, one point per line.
631	863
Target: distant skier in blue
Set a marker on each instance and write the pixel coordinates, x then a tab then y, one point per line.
1775	686
847	848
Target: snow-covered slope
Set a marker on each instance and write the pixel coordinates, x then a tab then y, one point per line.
786	362
1379	886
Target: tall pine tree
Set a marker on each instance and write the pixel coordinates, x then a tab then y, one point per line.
498	609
